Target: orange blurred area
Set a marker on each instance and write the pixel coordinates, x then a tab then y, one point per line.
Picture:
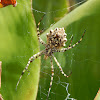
1	6
4	3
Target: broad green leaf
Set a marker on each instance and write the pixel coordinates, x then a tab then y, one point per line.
82	61
18	42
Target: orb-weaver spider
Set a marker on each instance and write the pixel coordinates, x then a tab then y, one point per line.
55	40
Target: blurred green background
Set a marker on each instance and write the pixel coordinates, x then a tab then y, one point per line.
18	42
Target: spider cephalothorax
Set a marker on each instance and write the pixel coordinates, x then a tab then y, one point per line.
55	40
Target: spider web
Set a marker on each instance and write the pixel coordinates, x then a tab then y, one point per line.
65	88
62	84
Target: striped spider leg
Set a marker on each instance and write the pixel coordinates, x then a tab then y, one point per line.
56	39
38	33
30	61
60	67
70	47
52	71
34	56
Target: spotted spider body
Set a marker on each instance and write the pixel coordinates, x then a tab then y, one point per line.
56	39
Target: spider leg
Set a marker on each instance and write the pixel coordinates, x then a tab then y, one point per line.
60	67
26	68
52	71
38	32
41	31
65	49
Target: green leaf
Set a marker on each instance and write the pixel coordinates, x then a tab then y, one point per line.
18	42
83	60
54	10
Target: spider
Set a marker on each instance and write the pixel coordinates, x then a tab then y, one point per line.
56	39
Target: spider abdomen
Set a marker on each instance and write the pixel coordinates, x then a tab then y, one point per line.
56	38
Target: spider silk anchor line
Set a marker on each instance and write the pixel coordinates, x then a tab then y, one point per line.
59	10
56	39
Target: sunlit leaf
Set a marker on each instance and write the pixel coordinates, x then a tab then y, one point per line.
18	42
